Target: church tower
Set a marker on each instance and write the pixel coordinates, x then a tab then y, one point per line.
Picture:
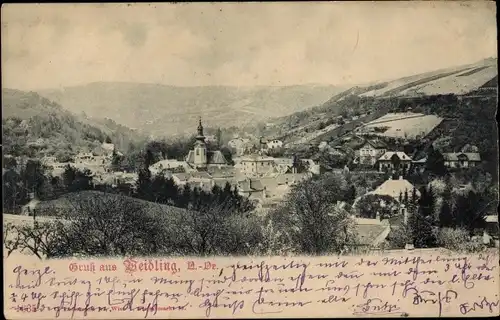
200	149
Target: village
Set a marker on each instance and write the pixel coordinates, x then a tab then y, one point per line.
257	174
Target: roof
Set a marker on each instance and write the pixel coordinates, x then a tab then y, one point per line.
250	185
491	219
377	144
213	157
423	160
168	164
401	155
290	177
216	157
225	172
223	181
394	188
454	156
285	161
199	175
181	176
372	234
256	157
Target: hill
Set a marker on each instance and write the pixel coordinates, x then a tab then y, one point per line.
166	110
368	102
35	126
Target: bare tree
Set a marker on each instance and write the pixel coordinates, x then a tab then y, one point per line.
110	224
311	219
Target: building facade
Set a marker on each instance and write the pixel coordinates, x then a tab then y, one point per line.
200	157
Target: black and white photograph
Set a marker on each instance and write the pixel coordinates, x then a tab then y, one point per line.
249	129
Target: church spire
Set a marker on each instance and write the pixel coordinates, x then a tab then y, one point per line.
200	128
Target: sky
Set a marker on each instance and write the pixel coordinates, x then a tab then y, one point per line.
239	44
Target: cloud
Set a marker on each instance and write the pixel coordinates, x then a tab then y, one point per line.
239	43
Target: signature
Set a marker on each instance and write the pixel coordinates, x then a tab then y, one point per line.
427	296
377	306
466	308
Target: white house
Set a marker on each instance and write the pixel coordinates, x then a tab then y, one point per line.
274	144
370	151
393	161
461	159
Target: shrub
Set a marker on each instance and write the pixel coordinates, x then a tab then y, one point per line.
458	240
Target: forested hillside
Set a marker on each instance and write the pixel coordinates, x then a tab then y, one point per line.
34	126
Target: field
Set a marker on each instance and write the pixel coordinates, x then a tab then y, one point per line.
402	125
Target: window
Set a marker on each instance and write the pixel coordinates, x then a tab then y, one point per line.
197	152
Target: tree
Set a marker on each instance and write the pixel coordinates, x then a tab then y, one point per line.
414	197
144	190
163	190
227	155
218	136
76	180
149	158
445	216
310	220
422	230
435	162
350	195
33	176
427	202
369	205
214	229
103	224
468	212
14	192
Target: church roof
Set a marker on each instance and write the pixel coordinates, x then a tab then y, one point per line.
213	157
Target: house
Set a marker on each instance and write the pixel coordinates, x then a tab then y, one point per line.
274	144
84	157
492	229
461	159
371	233
201	180
251	188
255	165
370	151
128	178
394	188
292	178
201	157
394	161
171	165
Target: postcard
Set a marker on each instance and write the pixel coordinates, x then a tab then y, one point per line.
250	160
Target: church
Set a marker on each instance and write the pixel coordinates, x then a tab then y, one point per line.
200	157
